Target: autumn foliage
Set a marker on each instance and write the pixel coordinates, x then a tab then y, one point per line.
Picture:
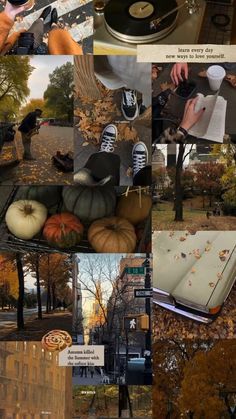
194	379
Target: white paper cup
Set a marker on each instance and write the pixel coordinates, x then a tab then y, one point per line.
215	75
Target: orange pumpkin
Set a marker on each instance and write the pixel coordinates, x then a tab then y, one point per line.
131	208
63	230
112	235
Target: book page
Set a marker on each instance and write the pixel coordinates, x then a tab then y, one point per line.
200	128
216	128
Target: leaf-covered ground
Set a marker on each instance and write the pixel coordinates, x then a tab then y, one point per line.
35	329
163	219
91	119
168	325
192	222
41	171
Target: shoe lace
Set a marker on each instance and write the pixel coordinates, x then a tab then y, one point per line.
130	97
107	143
139	161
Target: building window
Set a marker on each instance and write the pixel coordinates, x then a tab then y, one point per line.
25	371
3	391
2	366
25	347
43	354
34	395
34	351
17	368
15	394
24	393
34	374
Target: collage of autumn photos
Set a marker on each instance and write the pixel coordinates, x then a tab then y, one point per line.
117	209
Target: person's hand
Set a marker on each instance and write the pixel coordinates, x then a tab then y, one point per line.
179	72
11	11
191	117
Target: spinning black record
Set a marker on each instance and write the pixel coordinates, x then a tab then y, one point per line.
131	20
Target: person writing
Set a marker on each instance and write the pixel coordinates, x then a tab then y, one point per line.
189	119
60	41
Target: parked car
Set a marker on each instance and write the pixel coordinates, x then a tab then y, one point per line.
7	133
193	273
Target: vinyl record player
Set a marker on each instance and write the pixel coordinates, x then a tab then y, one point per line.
121	25
134	21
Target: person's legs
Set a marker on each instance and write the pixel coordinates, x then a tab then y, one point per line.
141	171
129	104
143	177
37	28
26	141
103	166
60	41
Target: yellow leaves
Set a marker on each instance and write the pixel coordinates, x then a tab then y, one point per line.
196	253
127	133
95	115
223	254
129	172
165	85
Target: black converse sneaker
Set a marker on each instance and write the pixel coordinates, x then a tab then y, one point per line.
108	138
129	104
140	157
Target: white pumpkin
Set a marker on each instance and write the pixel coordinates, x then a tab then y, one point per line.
25	218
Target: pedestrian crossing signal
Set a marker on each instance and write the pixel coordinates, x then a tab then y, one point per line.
136	322
130	323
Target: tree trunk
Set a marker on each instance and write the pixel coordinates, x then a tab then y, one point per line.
53	297
203	200
40	316
210	199
178	185
20	303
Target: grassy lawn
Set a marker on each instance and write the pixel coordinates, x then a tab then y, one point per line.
163	219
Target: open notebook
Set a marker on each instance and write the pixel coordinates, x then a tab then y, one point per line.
212	124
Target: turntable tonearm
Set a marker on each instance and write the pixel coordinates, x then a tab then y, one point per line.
144	21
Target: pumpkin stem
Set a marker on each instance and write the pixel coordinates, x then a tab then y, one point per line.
62	226
28	209
111	227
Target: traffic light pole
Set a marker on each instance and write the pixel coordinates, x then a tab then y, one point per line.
148	284
125	406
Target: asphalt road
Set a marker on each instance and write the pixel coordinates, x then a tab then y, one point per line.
9	318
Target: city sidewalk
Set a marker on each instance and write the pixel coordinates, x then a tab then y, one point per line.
76	17
83	381
35	329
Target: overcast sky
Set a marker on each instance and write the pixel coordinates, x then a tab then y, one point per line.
164	149
44	65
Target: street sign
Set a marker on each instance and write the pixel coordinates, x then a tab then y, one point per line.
135	270
130	323
143	293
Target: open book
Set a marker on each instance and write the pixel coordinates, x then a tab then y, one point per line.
212	124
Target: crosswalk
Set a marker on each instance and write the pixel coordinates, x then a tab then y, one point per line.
75	15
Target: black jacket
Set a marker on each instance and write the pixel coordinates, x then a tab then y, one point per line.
28	123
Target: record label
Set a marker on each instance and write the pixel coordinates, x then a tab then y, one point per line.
141	9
